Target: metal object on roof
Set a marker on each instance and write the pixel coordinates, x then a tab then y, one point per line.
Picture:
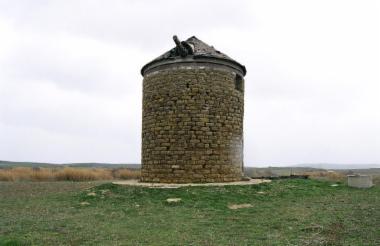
193	51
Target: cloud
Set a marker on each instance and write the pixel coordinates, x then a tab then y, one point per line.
145	24
72	62
26	143
70	83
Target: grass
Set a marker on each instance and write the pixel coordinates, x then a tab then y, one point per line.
284	212
66	174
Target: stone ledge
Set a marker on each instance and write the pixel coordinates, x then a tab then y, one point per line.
170	185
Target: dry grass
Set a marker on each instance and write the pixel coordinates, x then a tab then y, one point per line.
340	176
82	174
376	179
327	175
124	173
66	174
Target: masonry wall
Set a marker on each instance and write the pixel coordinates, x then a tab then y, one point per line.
192	127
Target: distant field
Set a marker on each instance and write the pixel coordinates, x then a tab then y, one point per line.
313	173
284	212
30	171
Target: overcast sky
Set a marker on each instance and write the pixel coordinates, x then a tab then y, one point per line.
71	89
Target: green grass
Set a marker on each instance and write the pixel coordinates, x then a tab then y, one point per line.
290	212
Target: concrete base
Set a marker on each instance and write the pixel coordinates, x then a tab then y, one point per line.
163	185
360	181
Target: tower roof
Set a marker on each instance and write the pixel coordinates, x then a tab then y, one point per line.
193	50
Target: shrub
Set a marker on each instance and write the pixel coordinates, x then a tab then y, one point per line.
124	173
329	175
83	174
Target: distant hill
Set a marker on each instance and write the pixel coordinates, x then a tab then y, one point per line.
52	165
340	166
319	165
25	164
248	169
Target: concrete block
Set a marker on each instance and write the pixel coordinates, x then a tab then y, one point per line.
359	181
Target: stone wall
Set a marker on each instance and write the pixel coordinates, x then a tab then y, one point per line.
192	127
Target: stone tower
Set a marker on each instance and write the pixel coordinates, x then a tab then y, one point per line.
192	125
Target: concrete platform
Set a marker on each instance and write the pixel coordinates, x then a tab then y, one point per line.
165	185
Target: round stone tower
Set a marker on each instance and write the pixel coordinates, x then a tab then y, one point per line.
192	125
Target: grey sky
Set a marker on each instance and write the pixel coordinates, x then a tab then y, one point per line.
70	83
